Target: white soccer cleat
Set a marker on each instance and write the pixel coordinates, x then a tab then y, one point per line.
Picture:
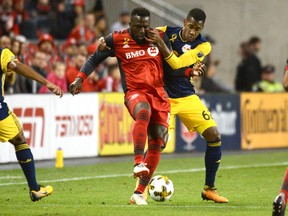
140	169
138	199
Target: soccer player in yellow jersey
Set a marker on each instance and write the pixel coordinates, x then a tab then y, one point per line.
187	41
10	128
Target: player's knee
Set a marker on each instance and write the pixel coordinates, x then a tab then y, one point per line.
142	106
165	140
212	135
159	133
19	139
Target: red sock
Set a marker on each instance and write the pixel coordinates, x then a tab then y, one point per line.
140	134
284	187
152	159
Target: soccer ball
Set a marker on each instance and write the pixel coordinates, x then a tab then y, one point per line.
160	188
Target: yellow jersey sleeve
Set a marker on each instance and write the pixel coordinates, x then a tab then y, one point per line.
190	57
6	57
162	28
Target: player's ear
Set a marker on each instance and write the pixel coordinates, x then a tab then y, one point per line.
184	22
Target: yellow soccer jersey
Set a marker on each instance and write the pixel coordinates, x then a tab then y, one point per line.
6	57
175	85
189	52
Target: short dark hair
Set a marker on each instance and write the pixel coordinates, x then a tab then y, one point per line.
197	14
254	40
140	11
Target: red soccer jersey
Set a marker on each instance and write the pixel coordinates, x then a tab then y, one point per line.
140	64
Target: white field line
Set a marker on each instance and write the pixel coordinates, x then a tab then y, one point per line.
149	206
162	172
11	177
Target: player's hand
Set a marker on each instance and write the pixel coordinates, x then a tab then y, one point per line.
152	35
55	89
102	46
76	86
199	70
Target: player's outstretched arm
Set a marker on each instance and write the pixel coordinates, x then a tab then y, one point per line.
191	57
91	63
28	72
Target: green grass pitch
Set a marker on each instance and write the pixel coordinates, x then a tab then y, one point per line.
250	181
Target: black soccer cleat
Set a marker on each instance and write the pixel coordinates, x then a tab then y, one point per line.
279	205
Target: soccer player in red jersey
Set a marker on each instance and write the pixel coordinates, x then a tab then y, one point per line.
279	204
141	70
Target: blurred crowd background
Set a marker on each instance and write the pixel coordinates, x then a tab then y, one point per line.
55	37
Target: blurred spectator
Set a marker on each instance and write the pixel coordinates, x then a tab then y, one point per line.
57	76
98	9
61	21
19	48
8	24
20	15
111	83
84	32
268	83
23	53
43	7
82	49
100	26
248	70
39	64
46	44
123	22
78	10
16	47
39	11
69	51
90	84
255	44
5	42
92	48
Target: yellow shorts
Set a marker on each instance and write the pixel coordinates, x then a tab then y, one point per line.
9	127
192	112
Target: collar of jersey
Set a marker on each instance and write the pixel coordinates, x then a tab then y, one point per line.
181	36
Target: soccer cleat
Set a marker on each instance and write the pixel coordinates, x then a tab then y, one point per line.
145	194
43	192
279	205
140	169
138	199
210	193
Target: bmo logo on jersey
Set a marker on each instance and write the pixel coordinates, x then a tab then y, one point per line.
135	54
152	51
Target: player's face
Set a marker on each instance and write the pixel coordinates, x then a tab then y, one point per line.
139	26
192	28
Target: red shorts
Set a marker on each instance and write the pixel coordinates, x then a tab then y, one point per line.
160	105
